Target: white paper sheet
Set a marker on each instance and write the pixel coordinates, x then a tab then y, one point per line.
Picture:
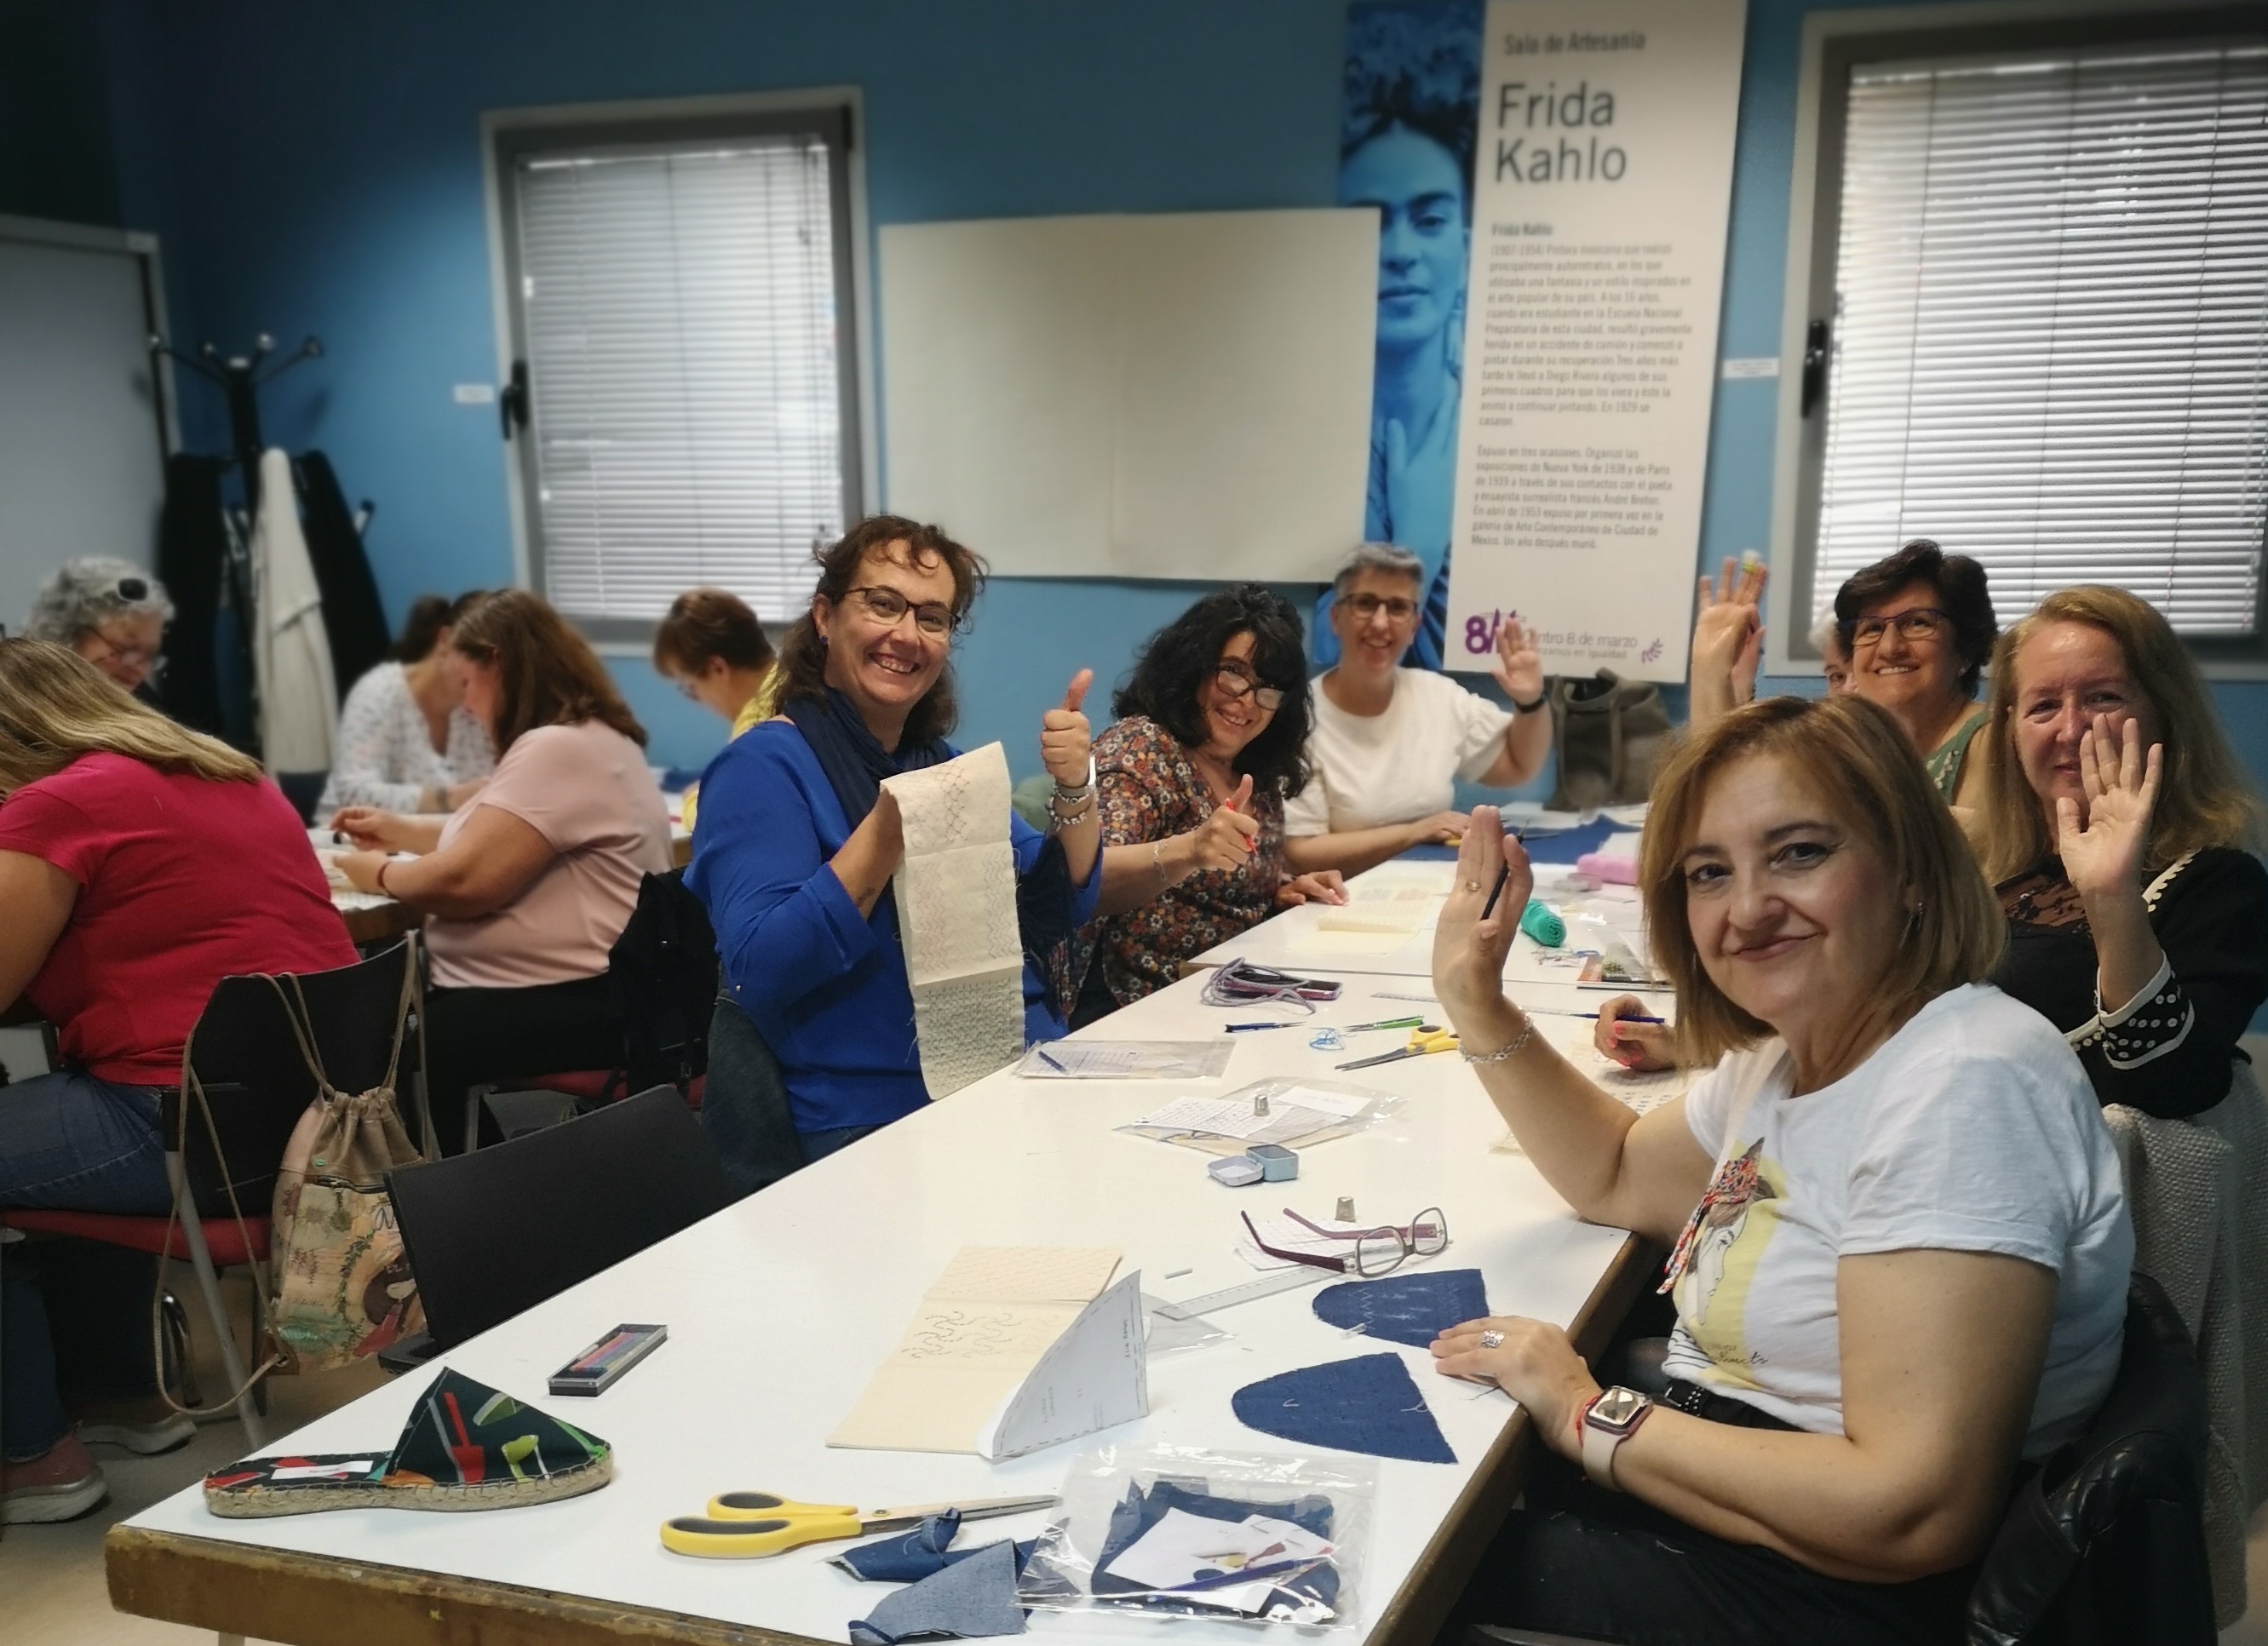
1095	1375
1290	1114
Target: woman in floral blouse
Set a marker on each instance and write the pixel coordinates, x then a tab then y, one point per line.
1210	742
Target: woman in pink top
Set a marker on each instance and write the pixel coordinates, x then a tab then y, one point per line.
525	890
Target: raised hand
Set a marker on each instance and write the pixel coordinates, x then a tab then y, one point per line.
1066	741
1728	633
1634	1044
1518	666
2103	852
1326	885
1468	952
1225	840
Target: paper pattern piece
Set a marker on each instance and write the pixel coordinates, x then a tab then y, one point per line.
1369	1403
1127	1059
1405	1308
956	897
1011	1342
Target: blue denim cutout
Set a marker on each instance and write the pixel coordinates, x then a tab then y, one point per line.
1368	1404
1412	1309
913	1556
965	1600
1141	1510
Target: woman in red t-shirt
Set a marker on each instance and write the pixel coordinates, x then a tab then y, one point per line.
140	863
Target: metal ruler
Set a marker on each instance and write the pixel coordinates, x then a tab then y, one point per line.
1228	1297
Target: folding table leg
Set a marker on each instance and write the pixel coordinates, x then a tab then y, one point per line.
208	1284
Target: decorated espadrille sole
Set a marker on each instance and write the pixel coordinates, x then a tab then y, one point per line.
258	1499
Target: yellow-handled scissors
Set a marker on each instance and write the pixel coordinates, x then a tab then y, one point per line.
742	1526
1424	1039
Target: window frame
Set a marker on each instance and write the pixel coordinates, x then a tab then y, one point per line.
1833	44
838	113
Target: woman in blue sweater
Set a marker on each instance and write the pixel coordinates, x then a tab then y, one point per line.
798	839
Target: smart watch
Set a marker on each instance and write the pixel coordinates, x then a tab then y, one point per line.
1610	1421
1518	708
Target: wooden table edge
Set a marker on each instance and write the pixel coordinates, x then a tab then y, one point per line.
323	1600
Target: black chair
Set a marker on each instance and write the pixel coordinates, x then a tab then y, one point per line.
304	791
492	1234
248	1059
2105	1545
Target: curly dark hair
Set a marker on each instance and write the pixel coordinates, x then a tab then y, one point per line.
803	654
1418	67
1172	667
1960	590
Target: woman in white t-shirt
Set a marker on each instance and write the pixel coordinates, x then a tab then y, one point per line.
524	890
406	743
1900	1248
1389	744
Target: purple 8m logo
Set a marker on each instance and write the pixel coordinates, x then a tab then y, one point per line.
1480	632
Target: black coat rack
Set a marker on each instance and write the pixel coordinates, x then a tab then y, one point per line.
240	379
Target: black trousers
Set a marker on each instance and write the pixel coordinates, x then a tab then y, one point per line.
1582	1561
473	1035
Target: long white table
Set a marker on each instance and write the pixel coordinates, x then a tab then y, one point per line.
780	1306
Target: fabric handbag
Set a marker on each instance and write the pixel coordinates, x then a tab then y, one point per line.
342	1288
1611	735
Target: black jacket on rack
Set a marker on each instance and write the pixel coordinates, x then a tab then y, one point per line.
193	564
352	617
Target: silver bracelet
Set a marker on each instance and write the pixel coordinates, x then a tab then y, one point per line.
1511	1048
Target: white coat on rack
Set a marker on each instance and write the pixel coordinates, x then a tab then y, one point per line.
292	653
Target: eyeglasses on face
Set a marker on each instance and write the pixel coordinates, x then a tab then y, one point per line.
1232	680
886	606
1376	1251
1918	624
147	657
1398	608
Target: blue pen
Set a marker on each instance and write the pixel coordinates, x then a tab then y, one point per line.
1240	1028
1633	1018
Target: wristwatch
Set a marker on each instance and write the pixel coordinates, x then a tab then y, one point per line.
1067	806
1544	697
1607	1422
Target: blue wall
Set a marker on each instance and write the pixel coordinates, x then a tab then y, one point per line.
317	169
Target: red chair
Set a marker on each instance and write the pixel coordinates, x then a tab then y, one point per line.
258	1084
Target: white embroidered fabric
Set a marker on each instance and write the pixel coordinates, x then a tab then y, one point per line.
956	898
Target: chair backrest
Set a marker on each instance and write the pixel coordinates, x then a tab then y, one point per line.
2106	1545
498	1230
248	1060
664	967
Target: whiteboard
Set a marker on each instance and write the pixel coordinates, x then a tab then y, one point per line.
81	444
1182	395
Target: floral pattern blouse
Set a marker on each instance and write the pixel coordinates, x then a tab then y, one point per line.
1148	790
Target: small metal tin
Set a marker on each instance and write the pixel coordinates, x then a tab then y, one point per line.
1277	1163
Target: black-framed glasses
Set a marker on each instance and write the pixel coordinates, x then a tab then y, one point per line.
1237	683
1398	608
886	606
1379	1250
1918	624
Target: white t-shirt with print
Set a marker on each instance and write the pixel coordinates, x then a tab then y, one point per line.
1397	767
1973	1128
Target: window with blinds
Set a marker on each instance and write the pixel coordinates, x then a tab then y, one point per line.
679	308
2047	343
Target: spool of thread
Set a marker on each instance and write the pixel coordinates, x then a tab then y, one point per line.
1608	870
1542	924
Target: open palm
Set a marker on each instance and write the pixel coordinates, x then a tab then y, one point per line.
2105	853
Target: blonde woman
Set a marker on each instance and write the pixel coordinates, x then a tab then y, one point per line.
2119	830
1899	1246
140	863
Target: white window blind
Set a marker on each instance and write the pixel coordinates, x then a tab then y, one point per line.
2051	336
680	323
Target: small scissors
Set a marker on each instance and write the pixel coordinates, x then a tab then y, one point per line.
740	1525
1424	1039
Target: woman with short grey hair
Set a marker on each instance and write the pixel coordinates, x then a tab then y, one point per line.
1389	744
111	612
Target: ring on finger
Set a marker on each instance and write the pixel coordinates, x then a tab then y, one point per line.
1491	1339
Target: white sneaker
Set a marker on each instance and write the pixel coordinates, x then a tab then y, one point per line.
169	1433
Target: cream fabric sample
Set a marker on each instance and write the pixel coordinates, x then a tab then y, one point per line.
956	895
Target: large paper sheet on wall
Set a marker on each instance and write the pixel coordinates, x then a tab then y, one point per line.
1602	186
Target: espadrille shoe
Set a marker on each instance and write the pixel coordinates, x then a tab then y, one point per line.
465	1447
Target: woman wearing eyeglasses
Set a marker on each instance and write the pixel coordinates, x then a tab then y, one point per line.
1194	774
716	650
798	839
111	613
1389	744
1919	628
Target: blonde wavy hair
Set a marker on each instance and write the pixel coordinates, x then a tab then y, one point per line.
1865	771
56	706
2204	797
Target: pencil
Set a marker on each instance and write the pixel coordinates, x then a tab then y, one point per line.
1502	875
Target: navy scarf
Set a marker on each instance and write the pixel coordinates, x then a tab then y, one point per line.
852	756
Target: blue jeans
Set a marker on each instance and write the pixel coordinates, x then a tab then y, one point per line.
68	1142
744	1106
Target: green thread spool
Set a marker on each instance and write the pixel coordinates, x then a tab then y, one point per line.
1542	924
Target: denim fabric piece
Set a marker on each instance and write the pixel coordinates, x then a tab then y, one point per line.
967	1600
1412	1309
1369	1403
915	1554
1140	1510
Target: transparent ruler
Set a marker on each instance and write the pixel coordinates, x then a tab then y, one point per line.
1260	1286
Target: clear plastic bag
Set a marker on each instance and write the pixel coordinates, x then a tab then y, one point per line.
1126	1059
1253	1537
1301	1112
